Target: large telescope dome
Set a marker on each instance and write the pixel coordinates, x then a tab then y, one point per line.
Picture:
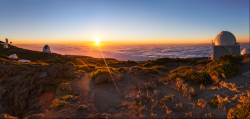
225	38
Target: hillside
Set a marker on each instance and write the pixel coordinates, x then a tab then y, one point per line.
59	86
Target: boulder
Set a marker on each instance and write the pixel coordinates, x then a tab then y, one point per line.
101	79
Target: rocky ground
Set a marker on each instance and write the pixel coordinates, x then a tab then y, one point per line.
138	93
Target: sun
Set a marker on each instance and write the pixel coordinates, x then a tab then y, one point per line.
97	41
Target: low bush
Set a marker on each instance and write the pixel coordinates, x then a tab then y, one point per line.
231	58
228	68
160	68
23	67
153	71
122	68
181	69
169	96
149	64
190	75
70	63
214	102
242	111
85	68
82	71
57	104
98	72
161	79
66	97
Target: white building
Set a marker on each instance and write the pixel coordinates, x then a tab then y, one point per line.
46	48
225	42
5	45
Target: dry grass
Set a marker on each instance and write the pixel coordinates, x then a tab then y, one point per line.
202	103
185	88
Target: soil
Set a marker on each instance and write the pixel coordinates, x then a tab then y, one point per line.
105	98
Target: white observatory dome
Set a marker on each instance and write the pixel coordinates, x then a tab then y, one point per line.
46	48
225	38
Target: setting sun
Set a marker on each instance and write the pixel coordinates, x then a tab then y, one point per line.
97	41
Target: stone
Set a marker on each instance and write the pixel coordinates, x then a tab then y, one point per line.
76	94
43	75
246	74
75	98
83	107
101	79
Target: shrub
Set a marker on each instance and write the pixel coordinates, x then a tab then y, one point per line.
231	58
233	99
162	60
98	72
23	68
131	62
122	68
161	79
70	63
190	75
82	71
173	76
214	102
169	96
149	64
83	67
66	97
57	104
242	111
196	78
228	68
181	69
160	68
153	71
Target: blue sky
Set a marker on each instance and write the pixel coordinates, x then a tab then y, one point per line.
141	21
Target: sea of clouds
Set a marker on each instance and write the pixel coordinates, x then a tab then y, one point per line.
130	52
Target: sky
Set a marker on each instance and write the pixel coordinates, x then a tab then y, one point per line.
122	21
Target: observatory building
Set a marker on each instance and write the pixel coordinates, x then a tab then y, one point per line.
224	43
46	48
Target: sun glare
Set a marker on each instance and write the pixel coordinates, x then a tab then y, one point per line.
97	41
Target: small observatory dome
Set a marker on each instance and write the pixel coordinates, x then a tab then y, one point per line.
46	48
225	38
